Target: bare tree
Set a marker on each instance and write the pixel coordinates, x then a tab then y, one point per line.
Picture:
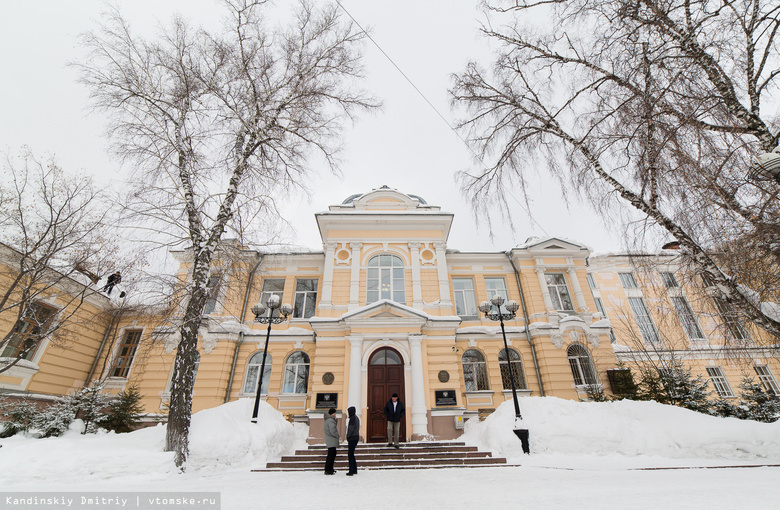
217	124
56	236
659	106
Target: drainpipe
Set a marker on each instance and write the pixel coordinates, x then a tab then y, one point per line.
527	324
241	333
114	316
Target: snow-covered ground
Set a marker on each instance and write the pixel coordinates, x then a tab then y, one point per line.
584	455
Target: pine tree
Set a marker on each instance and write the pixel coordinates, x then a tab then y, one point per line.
89	404
19	415
55	419
125	411
758	404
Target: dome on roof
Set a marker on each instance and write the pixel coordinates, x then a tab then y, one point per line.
354	197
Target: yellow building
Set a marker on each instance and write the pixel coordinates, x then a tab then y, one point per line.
387	307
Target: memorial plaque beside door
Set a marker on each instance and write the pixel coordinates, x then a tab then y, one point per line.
446	398
326	400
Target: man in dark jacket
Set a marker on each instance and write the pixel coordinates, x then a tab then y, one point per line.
394	410
353	436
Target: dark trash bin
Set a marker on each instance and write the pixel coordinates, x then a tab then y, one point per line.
523	435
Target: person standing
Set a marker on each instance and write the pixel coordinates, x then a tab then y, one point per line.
331	440
394	410
111	281
353	436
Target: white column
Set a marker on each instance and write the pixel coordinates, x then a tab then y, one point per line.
419	409
545	291
354	282
575	283
417	301
327	276
444	281
354	398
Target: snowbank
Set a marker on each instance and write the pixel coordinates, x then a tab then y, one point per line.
221	437
626	428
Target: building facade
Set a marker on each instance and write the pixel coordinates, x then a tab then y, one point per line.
387	307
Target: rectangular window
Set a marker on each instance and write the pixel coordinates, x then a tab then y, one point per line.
559	292
194	374
497	286
465	298
29	331
767	379
591	282
687	318
627	280
305	298
720	382
272	287
669	280
644	321
731	320
212	290
127	349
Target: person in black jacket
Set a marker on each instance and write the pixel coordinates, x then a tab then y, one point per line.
394	410
353	436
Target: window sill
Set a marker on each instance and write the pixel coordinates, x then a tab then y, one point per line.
520	392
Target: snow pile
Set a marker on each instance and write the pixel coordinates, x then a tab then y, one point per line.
221	437
626	428
225	435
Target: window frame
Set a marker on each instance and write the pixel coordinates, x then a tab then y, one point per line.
668	280
647	329
591	281
517	369
503	292
213	286
308	295
576	353
558	295
720	382
475	372
123	361
294	368
388	274
628	280
265	295
464	295
256	376
687	318
29	327
768	380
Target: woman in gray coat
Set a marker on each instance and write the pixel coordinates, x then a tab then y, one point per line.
331	440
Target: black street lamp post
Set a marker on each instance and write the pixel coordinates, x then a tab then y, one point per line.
511	307
259	310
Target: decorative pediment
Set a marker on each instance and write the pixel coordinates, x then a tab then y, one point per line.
385	309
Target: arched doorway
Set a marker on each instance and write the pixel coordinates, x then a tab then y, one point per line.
385	377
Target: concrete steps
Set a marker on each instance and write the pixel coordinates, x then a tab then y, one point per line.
417	455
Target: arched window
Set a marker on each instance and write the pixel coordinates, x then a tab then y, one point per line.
296	373
253	372
385	357
517	369
581	365
385	279
475	373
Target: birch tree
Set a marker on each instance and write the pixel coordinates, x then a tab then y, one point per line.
658	106
218	125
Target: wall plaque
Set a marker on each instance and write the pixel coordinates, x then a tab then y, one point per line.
444	376
326	400
446	398
328	378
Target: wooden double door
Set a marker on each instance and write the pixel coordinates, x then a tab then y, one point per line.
385	377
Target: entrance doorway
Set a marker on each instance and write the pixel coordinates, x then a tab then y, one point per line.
385	377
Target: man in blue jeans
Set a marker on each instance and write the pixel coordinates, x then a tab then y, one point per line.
394	410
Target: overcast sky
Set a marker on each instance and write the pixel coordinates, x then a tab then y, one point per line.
406	146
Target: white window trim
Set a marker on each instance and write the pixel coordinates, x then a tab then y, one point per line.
473	290
720	382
